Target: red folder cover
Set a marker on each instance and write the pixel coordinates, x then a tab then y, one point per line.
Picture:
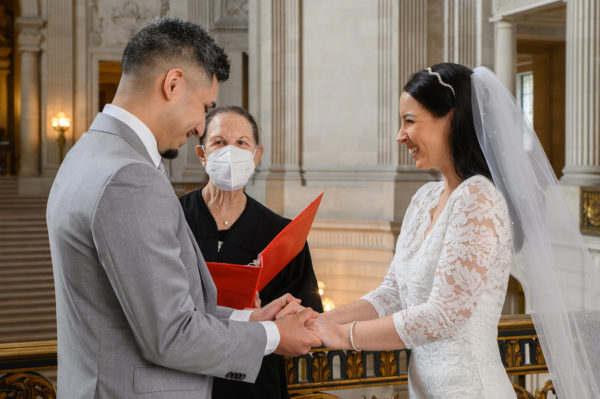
238	284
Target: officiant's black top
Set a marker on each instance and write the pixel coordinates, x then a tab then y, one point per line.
245	239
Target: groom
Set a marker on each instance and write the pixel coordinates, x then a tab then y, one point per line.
136	306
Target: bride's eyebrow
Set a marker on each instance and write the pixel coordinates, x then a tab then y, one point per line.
408	115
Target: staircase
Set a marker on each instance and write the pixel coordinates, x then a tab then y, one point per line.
27	307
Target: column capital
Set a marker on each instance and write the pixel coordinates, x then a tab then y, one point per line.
30	37
503	22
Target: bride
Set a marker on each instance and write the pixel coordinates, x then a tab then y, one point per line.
498	201
445	288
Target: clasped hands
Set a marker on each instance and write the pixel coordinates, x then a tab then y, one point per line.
300	328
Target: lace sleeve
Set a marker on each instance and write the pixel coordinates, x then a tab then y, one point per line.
476	240
386	298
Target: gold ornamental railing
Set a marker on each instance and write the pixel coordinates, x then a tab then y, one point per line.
323	370
308	376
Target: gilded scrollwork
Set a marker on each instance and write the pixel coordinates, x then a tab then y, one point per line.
290	370
387	364
590	210
354	365
522	393
26	385
320	369
513	353
539	355
547	388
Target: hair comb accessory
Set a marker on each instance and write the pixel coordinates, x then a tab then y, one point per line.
439	78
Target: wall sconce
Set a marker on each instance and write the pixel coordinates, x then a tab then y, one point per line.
61	123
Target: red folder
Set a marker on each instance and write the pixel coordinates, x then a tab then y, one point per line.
238	284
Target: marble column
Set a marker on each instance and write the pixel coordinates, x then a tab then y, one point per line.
29	48
408	55
582	130
57	81
505	60
4	71
275	96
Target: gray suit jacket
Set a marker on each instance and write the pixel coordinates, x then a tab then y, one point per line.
136	306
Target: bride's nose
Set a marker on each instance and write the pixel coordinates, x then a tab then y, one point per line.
402	137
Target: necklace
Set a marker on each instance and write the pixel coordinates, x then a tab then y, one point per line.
230	215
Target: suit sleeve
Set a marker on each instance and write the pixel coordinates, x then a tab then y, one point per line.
135	228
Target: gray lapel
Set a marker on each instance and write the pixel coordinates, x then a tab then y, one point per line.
108	124
209	289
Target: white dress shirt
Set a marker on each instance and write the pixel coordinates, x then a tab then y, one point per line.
149	141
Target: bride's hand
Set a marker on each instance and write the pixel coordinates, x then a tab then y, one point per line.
334	336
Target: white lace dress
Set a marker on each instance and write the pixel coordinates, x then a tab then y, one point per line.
446	291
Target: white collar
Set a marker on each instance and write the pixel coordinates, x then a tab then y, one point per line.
140	129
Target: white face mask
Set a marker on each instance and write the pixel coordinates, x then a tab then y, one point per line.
230	167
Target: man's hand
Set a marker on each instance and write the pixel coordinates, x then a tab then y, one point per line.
295	338
268	312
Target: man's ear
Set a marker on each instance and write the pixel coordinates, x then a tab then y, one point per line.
259	153
173	83
201	155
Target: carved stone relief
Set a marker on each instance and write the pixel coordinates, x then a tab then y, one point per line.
230	14
113	22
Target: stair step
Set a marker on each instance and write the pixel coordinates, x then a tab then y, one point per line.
22	242
41	309
33	278
28	303
48	326
11	298
25	264
8	258
34	249
27	275
24	318
23	219
28	286
23	224
29	336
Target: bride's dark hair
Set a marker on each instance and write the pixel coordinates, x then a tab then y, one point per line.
439	100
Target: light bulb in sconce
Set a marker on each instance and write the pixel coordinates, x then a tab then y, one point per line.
61	123
328	304
321	287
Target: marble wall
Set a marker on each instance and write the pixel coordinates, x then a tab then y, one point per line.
323	79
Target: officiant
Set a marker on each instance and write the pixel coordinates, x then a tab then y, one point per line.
232	227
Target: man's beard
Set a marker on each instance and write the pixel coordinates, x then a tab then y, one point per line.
170	154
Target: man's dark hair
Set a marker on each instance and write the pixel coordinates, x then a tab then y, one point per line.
439	100
178	42
233	109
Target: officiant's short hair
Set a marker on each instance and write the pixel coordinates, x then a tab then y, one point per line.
174	43
231	109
